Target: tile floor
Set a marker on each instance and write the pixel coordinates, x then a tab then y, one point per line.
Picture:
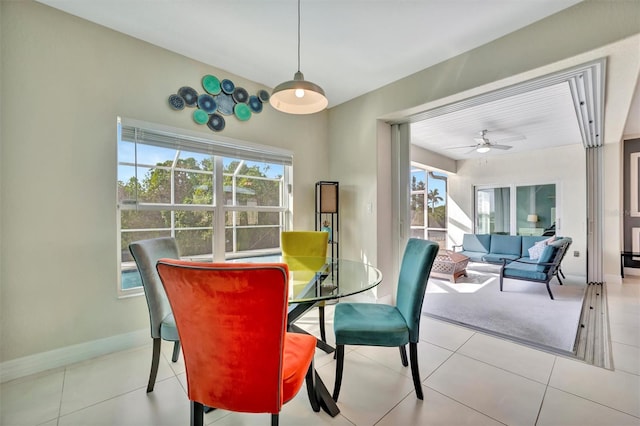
469	378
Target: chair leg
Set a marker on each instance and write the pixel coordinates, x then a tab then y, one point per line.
415	372
310	378
197	414
176	351
155	361
403	355
323	334
549	290
339	367
274	419
562	273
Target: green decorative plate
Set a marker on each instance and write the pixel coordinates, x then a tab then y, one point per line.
211	84
200	117
242	111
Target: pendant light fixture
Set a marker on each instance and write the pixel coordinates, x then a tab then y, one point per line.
298	96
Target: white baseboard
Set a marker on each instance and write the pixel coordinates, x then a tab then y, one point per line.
25	366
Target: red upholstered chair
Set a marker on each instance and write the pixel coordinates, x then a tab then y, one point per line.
232	321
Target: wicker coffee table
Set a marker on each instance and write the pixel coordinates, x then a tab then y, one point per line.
449	265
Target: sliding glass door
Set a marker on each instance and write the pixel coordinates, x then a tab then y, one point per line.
516	209
428	205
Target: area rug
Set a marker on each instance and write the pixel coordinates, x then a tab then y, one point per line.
523	312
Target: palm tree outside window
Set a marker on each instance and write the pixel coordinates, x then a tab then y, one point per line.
428	205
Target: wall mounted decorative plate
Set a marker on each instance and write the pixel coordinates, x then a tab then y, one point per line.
176	102
227	86
207	103
242	111
240	95
216	122
189	95
200	116
211	84
220	97
255	104
225	103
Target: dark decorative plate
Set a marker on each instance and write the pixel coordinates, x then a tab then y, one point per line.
227	86
242	111
216	122
200	116
240	95
207	103
176	102
225	104
189	95
263	95
255	104
211	84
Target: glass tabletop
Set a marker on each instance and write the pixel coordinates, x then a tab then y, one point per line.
313	279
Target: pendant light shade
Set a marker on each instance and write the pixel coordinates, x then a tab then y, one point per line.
298	96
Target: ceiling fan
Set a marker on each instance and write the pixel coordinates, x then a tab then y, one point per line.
484	145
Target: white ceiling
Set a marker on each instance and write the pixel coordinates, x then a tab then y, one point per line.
351	47
537	119
348	47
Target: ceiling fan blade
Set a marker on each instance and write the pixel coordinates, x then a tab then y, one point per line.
510	139
501	146
462	146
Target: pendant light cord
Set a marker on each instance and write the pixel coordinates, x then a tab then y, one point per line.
298	35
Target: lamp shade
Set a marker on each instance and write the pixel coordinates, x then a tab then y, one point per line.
298	96
532	218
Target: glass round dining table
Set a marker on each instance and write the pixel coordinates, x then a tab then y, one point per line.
317	279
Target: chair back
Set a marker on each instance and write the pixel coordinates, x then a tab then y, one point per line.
304	243
146	253
304	250
231	319
412	282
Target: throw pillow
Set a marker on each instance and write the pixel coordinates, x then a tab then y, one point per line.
536	250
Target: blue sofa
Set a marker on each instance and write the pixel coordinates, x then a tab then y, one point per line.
492	248
512	253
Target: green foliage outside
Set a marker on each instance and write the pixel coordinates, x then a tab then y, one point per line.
193	185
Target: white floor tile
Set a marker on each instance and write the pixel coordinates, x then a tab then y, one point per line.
97	380
430	357
504	396
32	400
443	334
369	390
561	408
626	358
518	359
615	389
166	405
435	409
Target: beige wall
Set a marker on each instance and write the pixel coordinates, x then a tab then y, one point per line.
64	81
574	36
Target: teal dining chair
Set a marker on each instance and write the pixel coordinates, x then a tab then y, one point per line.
373	324
163	326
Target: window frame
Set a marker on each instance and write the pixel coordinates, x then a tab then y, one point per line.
514	229
196	143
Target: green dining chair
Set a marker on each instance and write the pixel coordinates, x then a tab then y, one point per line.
372	324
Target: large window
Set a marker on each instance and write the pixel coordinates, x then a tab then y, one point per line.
428	205
218	198
516	209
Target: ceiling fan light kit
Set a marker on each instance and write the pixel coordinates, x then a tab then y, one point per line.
483	148
298	96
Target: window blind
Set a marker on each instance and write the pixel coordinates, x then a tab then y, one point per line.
160	136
